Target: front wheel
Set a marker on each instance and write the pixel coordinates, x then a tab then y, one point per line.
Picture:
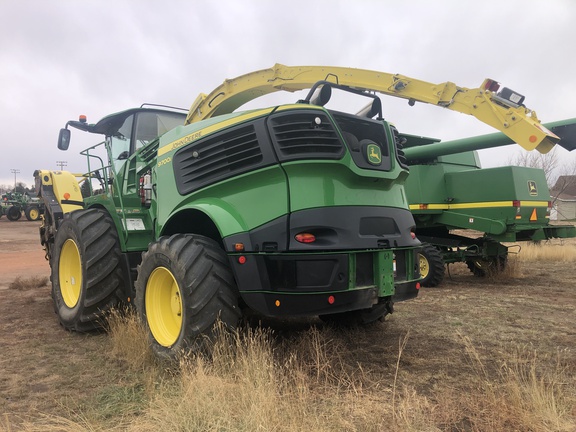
32	213
184	287
431	266
87	277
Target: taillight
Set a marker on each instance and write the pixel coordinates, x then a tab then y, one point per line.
305	238
516	203
491	85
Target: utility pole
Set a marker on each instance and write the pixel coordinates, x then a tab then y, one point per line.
15	171
61	164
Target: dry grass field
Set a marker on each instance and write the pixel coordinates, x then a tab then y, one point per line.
475	354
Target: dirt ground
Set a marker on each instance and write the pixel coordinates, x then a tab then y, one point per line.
20	251
45	370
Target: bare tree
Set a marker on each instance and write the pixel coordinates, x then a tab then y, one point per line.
549	163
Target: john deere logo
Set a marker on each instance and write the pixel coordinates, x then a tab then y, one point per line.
532	187
374	154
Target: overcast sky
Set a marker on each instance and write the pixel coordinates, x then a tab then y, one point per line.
62	58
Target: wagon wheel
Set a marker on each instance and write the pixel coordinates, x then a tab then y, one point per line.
14	213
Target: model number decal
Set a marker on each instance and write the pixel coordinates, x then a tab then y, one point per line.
164	161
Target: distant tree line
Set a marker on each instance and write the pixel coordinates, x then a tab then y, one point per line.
20	187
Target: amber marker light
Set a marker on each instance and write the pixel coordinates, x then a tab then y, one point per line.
82	118
277	303
238	247
305	238
66	196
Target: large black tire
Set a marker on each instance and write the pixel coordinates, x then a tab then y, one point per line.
362	317
32	212
431	266
484	267
87	276
14	213
184	288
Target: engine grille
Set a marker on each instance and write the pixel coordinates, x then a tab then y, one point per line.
305	135
217	158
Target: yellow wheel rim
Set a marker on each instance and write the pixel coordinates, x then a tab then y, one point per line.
34	213
163	306
70	273
424	266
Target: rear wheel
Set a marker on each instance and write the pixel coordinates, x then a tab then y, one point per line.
431	266
87	277
483	267
184	286
360	317
32	213
14	213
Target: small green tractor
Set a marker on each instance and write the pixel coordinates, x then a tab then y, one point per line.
13	204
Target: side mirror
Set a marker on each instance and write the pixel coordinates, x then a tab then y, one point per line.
64	139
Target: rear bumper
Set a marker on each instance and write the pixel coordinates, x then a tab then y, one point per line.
325	283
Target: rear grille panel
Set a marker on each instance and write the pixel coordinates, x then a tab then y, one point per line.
305	135
357	131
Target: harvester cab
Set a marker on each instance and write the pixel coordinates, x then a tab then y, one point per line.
124	133
290	210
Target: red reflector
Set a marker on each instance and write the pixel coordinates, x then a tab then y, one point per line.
417	285
491	85
242	259
515	203
305	238
413	235
331	299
